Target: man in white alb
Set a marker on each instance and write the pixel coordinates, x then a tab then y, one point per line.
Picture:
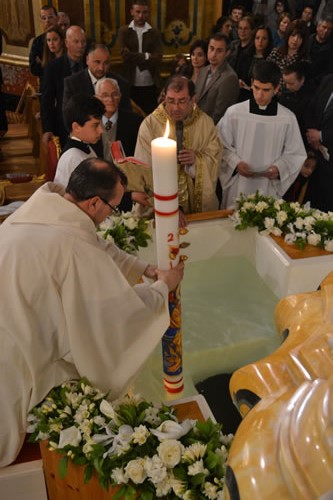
263	147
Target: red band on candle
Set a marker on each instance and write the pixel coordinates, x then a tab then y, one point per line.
165	198
166	214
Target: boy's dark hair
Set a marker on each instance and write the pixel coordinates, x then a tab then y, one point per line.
95	177
81	108
267	72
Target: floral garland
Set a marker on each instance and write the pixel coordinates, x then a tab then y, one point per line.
300	225
130	442
128	231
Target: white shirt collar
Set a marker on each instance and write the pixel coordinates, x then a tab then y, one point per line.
113	118
93	79
144	28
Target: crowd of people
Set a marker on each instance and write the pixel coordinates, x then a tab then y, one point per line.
296	38
251	110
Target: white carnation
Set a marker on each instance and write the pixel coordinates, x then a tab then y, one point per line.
140	434
197	468
210	490
170	452
163	487
118	475
194	452
155	469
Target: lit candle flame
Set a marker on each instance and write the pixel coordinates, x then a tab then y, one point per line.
167	130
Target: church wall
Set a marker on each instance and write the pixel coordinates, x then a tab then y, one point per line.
180	23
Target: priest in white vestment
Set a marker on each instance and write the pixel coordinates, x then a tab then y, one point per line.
263	146
70	305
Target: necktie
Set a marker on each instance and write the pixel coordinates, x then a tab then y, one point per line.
108	125
75	67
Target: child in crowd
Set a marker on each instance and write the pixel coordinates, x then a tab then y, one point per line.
297	190
83	117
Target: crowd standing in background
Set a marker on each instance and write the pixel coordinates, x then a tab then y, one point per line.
295	35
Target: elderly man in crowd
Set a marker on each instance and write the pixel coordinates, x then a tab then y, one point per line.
98	62
78	310
198	145
118	124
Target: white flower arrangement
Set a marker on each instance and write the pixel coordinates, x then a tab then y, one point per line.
128	231
130	442
299	225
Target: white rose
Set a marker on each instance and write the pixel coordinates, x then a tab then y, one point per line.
170	452
269	223
135	471
173	430
281	217
260	206
299	223
290	238
70	436
276	231
314	239
329	245
131	223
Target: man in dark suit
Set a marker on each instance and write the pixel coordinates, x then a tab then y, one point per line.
217	85
320	137
55	73
119	125
98	64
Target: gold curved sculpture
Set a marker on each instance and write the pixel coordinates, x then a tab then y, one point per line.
284	446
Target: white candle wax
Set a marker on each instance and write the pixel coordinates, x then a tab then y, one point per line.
165	179
164	162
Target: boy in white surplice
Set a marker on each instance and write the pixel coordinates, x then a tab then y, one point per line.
263	147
